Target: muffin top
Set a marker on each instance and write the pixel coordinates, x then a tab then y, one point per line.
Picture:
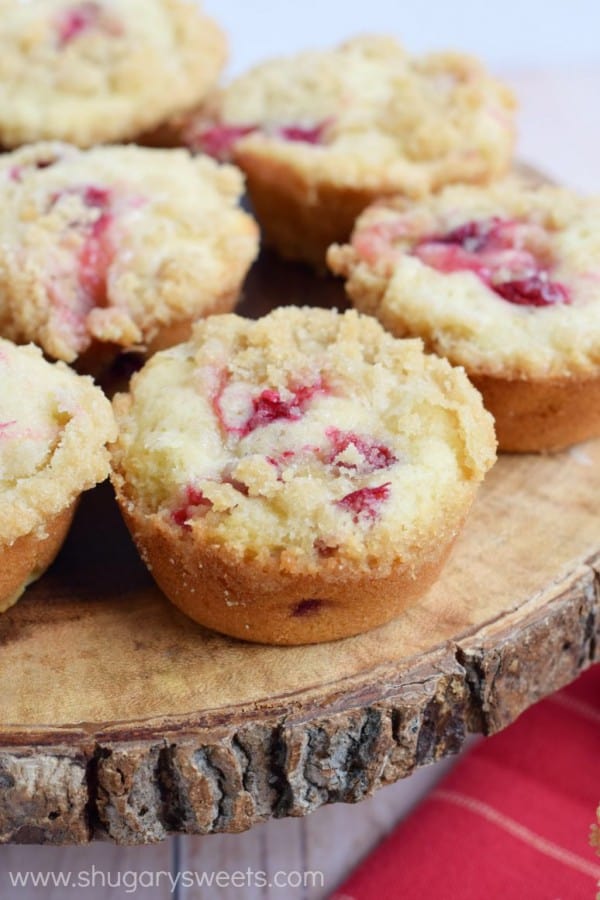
112	243
54	426
89	71
310	437
364	115
503	280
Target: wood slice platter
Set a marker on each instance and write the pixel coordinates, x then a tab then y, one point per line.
120	718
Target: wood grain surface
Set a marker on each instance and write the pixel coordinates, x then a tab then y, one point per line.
122	718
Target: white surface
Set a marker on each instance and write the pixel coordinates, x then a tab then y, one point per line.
523	33
559	123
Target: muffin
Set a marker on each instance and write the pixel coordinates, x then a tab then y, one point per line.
322	134
298	478
502	280
101	70
54	427
116	248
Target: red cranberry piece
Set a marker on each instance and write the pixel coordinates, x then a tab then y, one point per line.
375	455
83	17
219	141
458	250
194	499
533	291
304	134
485	247
472	236
307	607
91	196
95	259
269	406
365	502
97	251
77	20
96	197
180	516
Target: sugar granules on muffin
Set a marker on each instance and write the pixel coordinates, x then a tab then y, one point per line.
299	478
320	135
54	427
102	70
116	248
504	281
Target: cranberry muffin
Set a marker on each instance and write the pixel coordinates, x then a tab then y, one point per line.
320	135
504	281
54	427
116	248
95	71
298	478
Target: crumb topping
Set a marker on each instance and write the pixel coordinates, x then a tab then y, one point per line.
92	71
364	114
111	244
503	280
54	426
308	435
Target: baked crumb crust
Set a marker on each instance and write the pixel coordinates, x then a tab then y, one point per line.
257	601
27	558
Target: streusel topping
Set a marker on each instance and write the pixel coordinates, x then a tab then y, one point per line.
112	243
504	280
54	427
307	434
365	115
90	71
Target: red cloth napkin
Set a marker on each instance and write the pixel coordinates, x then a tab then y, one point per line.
511	820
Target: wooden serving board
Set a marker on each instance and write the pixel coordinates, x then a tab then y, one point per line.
121	718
